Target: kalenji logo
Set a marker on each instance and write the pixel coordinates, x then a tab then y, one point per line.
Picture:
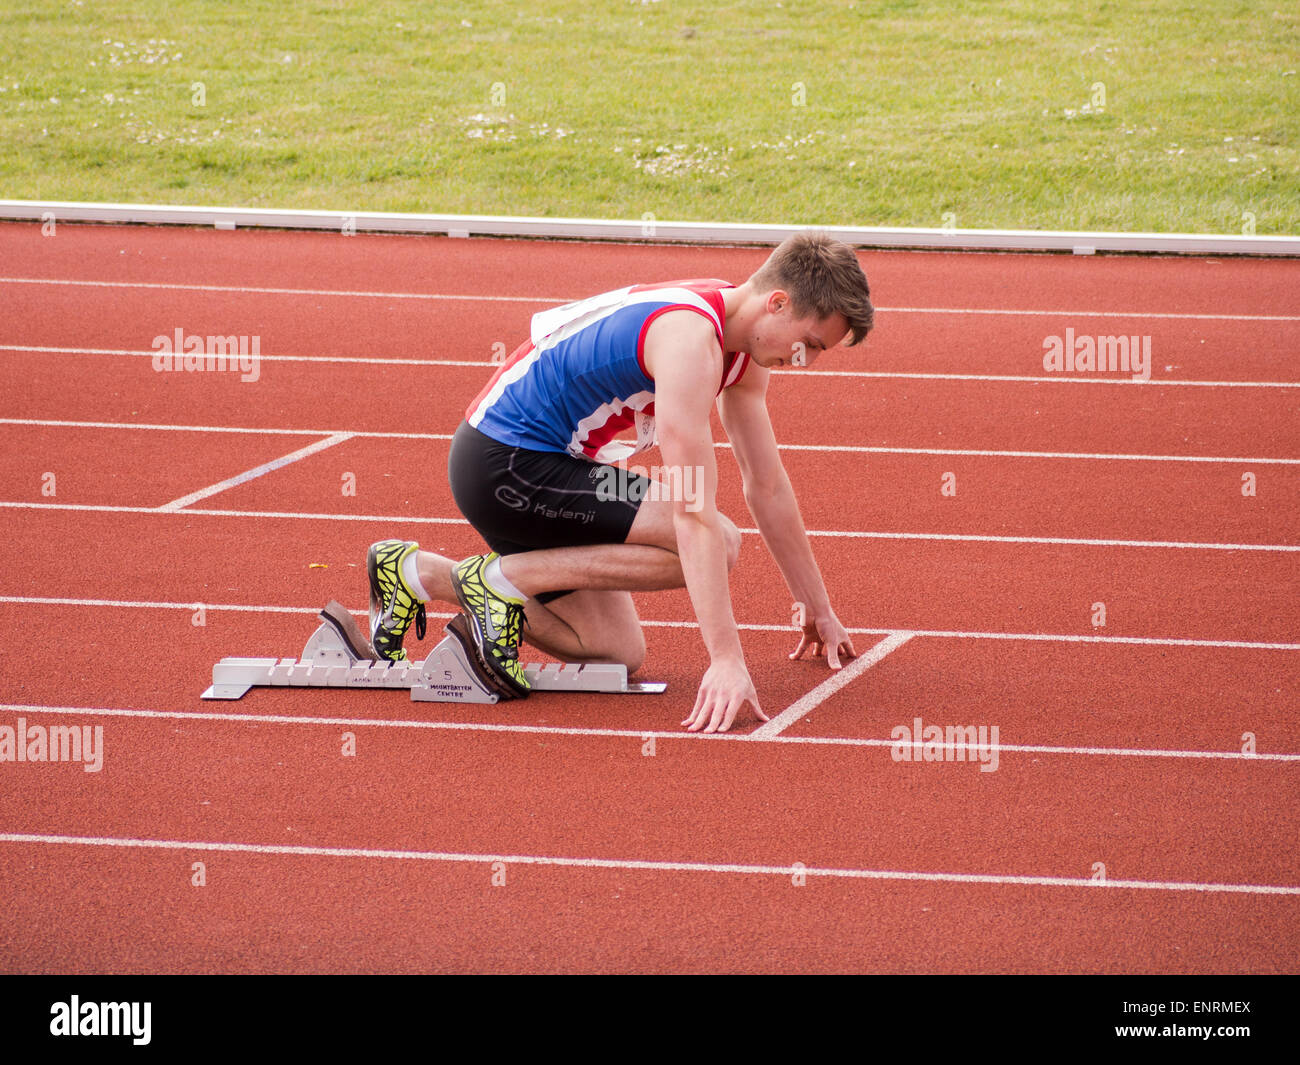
102	1018
193	354
666	483
1098	354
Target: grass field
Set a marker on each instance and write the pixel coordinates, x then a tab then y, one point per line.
1168	116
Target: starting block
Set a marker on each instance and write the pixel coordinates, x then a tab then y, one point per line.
338	656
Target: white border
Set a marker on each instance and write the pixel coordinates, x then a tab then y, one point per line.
648	230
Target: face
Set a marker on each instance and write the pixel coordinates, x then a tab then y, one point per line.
781	339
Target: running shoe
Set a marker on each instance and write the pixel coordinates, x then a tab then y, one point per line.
496	621
393	606
458	629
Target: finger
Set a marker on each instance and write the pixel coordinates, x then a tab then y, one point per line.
700	699
847	644
752	700
706	713
803	643
723	717
833	656
724	712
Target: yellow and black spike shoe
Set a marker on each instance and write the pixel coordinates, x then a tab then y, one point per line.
393	606
496	622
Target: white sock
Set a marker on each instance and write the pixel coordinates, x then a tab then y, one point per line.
500	583
411	575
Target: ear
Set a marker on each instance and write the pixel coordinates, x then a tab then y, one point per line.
776	301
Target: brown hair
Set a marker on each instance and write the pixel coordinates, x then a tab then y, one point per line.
823	277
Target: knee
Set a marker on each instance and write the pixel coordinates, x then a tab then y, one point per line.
632	653
621	645
731	535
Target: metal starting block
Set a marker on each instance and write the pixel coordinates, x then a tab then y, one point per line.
338	655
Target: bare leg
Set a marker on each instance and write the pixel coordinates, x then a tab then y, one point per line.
647	562
435	575
600	567
584	626
598	622
587	626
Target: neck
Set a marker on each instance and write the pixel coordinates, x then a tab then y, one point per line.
737	329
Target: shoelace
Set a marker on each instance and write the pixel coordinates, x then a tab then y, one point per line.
421	622
511	629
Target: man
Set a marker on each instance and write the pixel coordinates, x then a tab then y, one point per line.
530	468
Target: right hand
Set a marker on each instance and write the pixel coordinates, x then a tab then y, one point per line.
725	689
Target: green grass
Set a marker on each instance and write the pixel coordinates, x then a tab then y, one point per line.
866	113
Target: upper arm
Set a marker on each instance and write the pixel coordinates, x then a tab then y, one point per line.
683	356
743	410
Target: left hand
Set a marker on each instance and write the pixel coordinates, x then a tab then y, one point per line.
825	636
725	690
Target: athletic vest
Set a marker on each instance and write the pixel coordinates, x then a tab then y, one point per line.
579	382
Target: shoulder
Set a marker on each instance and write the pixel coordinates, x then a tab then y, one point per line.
679	339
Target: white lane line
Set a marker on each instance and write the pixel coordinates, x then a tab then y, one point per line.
1059	379
941	634
375	360
845	676
172	286
1052	541
655	866
207	512
556	300
1122	379
59	423
1066	541
145	604
993	453
639	736
722	444
254	473
1095	314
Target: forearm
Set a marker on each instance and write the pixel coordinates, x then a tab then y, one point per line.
776	513
703	553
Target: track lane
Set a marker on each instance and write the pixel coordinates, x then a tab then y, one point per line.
718	803
132	911
1079	499
993	415
1168	284
87	467
323	326
275	923
1038	693
1044	498
912	585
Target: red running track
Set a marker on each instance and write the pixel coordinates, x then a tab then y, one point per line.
1121	828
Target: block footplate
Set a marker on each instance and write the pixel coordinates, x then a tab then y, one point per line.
338	655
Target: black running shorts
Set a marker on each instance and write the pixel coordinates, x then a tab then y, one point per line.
520	500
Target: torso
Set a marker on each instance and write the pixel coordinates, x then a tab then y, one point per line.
580	382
